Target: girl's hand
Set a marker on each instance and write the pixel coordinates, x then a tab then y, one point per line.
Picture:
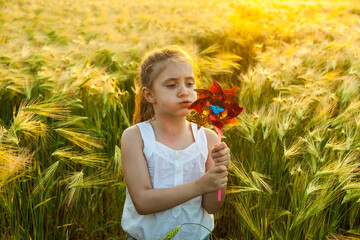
214	179
220	153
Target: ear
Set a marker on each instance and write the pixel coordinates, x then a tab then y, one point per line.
148	95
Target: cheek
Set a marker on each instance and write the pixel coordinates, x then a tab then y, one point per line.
193	95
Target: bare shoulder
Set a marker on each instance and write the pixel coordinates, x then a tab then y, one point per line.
211	137
131	135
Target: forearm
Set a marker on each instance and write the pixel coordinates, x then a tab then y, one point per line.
157	200
210	201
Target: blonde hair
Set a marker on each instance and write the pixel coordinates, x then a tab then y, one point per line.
153	63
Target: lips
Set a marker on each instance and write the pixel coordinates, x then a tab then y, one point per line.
185	103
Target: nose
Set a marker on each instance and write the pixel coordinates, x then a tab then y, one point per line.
183	92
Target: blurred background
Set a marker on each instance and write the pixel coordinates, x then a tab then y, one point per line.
67	93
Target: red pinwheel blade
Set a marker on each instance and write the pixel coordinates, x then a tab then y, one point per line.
215	88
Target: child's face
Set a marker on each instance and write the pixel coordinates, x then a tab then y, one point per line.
173	89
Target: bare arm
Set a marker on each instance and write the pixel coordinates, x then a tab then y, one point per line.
210	200
146	199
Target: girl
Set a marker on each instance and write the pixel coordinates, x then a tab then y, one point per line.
172	170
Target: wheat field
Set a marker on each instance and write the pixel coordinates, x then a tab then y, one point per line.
67	93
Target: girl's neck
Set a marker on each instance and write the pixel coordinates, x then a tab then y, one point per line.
170	127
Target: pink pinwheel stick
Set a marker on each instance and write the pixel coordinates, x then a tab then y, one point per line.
219	141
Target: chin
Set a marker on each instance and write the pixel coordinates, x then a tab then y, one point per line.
187	113
184	112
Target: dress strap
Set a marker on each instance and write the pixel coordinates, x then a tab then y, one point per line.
200	139
148	137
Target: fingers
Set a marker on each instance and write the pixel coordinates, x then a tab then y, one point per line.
219	147
225	163
219	177
220	168
218	152
224	152
221	171
223	181
222	158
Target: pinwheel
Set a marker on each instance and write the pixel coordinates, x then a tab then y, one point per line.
217	107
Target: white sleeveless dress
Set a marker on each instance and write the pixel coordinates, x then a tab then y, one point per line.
169	168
